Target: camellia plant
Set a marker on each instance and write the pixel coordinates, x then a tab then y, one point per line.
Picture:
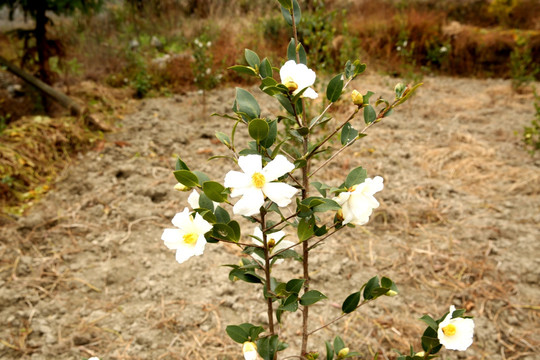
272	185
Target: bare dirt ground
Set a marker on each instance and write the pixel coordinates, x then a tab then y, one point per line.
86	274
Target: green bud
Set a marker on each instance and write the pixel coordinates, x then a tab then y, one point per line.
391	293
399	89
343	352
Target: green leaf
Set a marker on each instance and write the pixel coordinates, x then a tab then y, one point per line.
224	231
258	129
206	203
334	89
272	135
287	13
267	347
430	341
223	138
252	58
338	344
311	297
294	285
287	4
266	69
369	114
356	176
290	303
242	69
245	103
321	188
430	322
287	254
186	177
222	216
351	303
291	52
255	331
305	230
371	285
180	165
329	351
236	333
348	133
214	191
285	103
327	205
247	276
235	226
201	177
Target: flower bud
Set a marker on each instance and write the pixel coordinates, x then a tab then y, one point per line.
420	353
399	88
357	98
391	293
291	85
181	187
343	352
250	350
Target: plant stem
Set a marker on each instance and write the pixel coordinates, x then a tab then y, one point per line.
267	274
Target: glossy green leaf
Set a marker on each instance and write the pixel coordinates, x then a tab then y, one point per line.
235	226
430	322
356	176
206	203
338	344
201	177
369	114
258	129
287	13
237	334
348	134
285	103
305	230
247	276
290	303
242	69
311	297
267	347
186	177
327	205
223	231
329	351
245	103
272	134
430	341
266	69
351	303
214	191
223	138
371	285
252	58
180	165
222	216
291	52
294	285
334	88
287	4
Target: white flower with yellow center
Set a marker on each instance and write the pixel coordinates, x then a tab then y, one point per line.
457	333
358	203
255	183
297	77
275	243
188	240
250	350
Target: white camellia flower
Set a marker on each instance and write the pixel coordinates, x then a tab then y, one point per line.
358	203
250	350
193	200
457	333
275	243
297	77
255	183
188	240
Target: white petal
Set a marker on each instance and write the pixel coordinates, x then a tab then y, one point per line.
287	70
193	199
202	225
283	244
280	193
276	236
199	246
250	164
304	76
310	93
276	168
181	219
250	203
172	238
237	181
342	197
184	253
374	185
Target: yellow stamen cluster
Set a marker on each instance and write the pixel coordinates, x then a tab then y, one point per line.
258	180
190	238
449	330
290	84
